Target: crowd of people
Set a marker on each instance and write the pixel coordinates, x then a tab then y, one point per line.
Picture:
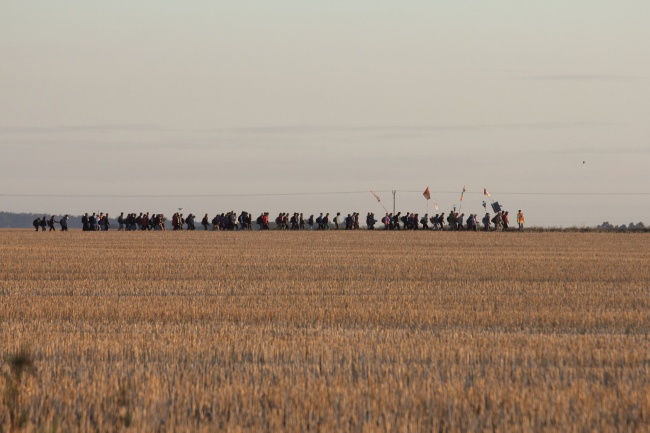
454	220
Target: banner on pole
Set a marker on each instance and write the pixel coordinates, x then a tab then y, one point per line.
427	194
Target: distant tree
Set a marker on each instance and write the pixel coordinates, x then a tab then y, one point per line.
606	226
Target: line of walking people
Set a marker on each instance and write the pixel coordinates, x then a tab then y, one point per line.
45	224
500	221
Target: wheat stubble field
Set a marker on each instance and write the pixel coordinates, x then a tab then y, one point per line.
326	331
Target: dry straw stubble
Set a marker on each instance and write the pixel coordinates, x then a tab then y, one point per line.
332	331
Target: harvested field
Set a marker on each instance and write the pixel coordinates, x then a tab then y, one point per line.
325	331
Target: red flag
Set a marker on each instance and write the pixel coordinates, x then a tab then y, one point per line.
462	193
485	192
427	194
376	196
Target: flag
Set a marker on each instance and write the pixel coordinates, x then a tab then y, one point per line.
427	194
485	192
376	196
435	204
484	204
462	193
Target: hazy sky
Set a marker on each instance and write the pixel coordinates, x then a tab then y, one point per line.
203	101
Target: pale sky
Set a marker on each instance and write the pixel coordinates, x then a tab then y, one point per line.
111	106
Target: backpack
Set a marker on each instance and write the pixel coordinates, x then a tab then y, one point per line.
37	222
259	220
215	221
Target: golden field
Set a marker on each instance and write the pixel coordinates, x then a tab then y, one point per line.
325	331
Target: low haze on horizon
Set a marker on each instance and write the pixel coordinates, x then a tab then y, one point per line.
154	106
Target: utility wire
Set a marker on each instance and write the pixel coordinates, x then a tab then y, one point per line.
99	195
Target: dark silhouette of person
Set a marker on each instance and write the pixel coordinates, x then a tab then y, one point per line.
50	224
64	223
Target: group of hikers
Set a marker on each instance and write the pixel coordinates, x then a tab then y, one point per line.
100	221
45	224
408	221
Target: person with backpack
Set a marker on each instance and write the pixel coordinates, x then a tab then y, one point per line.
386	221
64	223
496	220
395	221
460	219
36	223
505	220
434	222
105	223
92	222
371	221
43	223
190	221
471	222
50	224
265	221
486	222
425	222
336	220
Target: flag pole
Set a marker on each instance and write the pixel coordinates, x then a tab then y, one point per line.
379	200
460	205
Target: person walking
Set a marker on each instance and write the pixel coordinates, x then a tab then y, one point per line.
486	222
520	219
64	223
50	224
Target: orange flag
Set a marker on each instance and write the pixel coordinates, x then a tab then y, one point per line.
427	194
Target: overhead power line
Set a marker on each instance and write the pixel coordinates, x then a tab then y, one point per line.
278	194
